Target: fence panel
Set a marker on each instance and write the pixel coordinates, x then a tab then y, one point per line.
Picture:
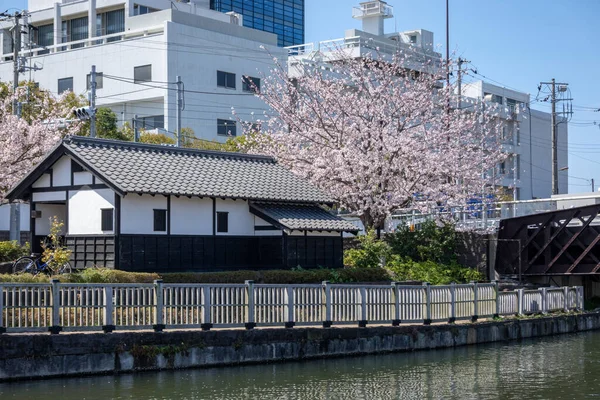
441	303
81	306
380	303
133	305
465	301
308	304
555	299
346	304
509	303
532	301
486	299
26	307
183	305
270	304
228	305
413	303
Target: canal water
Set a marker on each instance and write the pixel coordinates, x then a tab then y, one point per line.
560	367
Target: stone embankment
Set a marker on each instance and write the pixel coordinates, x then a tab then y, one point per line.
26	356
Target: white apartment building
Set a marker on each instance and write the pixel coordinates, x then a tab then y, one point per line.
139	47
417	45
526	136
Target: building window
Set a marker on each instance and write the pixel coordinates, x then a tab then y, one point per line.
140	10
222	221
226	80
73	30
99	81
152	122
143	73
250	84
65	84
109	23
160	220
107	219
413	39
226	127
45	37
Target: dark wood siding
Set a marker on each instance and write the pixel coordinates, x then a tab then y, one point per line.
90	251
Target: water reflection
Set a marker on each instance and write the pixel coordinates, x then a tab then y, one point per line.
552	368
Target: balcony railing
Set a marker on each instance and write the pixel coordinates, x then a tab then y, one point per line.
372	9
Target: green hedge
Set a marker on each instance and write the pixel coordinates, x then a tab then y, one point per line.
10	251
106	275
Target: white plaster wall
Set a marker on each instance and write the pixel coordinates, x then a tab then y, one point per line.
261	222
191	216
49	196
43	181
42	224
241	222
61	172
82	178
85	217
5	217
315	233
137	215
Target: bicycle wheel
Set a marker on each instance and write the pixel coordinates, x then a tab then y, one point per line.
24	264
65	268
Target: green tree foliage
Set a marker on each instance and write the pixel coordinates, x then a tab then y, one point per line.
155	138
371	252
429	243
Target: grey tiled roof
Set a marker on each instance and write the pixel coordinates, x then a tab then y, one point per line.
301	217
142	168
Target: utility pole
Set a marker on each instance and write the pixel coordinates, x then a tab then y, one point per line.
461	61
593	185
93	102
178	110
136	137
562	88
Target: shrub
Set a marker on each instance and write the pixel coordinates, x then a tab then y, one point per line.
430	243
10	251
55	254
405	269
108	275
371	252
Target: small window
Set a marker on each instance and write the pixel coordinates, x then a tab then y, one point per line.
65	84
226	127
107	219
226	80
160	220
222	221
413	39
250	84
142	73
99	81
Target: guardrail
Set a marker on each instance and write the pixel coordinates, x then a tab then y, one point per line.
57	307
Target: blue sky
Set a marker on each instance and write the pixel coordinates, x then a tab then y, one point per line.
513	43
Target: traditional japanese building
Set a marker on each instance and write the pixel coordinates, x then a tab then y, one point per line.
141	207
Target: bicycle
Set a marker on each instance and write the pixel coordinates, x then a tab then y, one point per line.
34	265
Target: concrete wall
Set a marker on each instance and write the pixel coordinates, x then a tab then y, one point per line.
27	356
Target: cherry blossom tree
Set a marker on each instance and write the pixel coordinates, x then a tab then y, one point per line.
26	140
376	136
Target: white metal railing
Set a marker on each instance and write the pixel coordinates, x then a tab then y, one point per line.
80	307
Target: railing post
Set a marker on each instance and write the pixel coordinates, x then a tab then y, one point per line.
159	325
326	304
289	294
250	324
396	299
519	301
452	318
206	309
475	302
2	327
544	298
362	322
497	291
55	327
566	299
427	320
108	324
